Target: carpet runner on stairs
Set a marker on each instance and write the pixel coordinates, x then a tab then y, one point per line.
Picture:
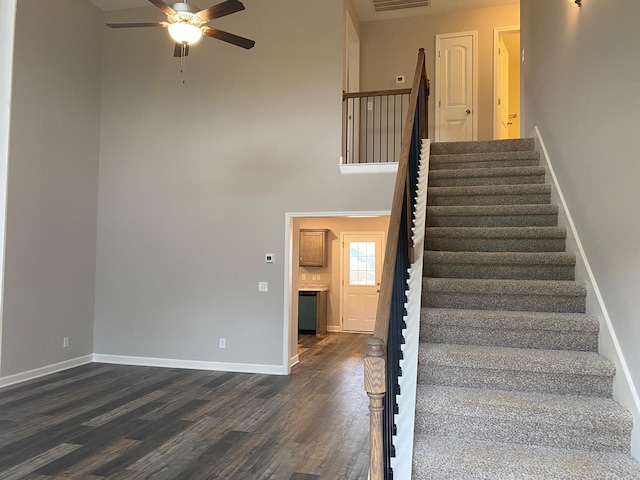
510	384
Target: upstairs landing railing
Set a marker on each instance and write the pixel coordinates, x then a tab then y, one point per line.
382	361
373	124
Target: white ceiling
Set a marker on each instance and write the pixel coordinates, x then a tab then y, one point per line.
365	10
366	13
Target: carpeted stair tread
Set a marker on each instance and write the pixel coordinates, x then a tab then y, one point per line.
490	195
561	421
497	294
486	176
449	458
492	239
485	160
541	330
511	145
493	216
521	359
560	372
500	265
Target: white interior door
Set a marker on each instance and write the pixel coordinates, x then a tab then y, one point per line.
503	90
456	90
361	274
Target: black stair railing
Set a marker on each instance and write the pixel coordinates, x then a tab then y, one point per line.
382	361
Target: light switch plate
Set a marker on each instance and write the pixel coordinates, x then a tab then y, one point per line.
263	286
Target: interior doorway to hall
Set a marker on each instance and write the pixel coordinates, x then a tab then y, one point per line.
506	82
334	288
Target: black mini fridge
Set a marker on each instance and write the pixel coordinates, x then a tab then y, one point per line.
307	303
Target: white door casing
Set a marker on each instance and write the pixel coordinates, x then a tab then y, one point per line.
456	87
362	257
503	90
501	81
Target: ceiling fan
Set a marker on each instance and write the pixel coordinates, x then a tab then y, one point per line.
186	24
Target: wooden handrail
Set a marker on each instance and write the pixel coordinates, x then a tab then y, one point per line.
386	285
376	93
375	362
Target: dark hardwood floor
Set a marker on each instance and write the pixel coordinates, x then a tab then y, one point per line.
122	422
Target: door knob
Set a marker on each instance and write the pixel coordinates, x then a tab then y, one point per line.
468	111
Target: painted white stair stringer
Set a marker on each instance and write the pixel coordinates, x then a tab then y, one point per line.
405	418
624	390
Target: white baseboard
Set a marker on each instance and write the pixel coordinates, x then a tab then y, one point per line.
189	364
46	370
365	168
624	390
333	329
294	360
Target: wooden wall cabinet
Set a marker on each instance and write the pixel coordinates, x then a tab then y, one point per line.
313	248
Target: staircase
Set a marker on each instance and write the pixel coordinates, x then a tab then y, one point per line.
510	384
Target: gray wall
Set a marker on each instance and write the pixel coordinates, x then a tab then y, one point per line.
7	19
580	79
390	48
195	179
52	185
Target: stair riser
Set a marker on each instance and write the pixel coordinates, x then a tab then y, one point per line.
514	145
540	382
550	220
457	244
513	338
493	301
519	431
448	458
499	271
477	181
457	200
435	164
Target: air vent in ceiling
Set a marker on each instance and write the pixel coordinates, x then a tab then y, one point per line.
387	5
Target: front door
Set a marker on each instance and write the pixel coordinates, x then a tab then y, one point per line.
361	274
456	118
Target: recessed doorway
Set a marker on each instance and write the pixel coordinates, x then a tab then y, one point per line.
329	276
506	82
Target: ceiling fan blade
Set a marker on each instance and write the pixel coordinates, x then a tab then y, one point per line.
221	10
135	25
181	50
228	37
163	6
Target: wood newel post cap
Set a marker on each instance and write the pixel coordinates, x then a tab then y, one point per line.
376	347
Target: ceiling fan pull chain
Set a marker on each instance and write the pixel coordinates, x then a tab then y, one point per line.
183	64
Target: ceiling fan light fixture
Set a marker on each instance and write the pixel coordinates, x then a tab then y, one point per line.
185	33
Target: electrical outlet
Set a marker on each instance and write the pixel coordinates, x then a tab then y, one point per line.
263	286
222	343
303	277
65	342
